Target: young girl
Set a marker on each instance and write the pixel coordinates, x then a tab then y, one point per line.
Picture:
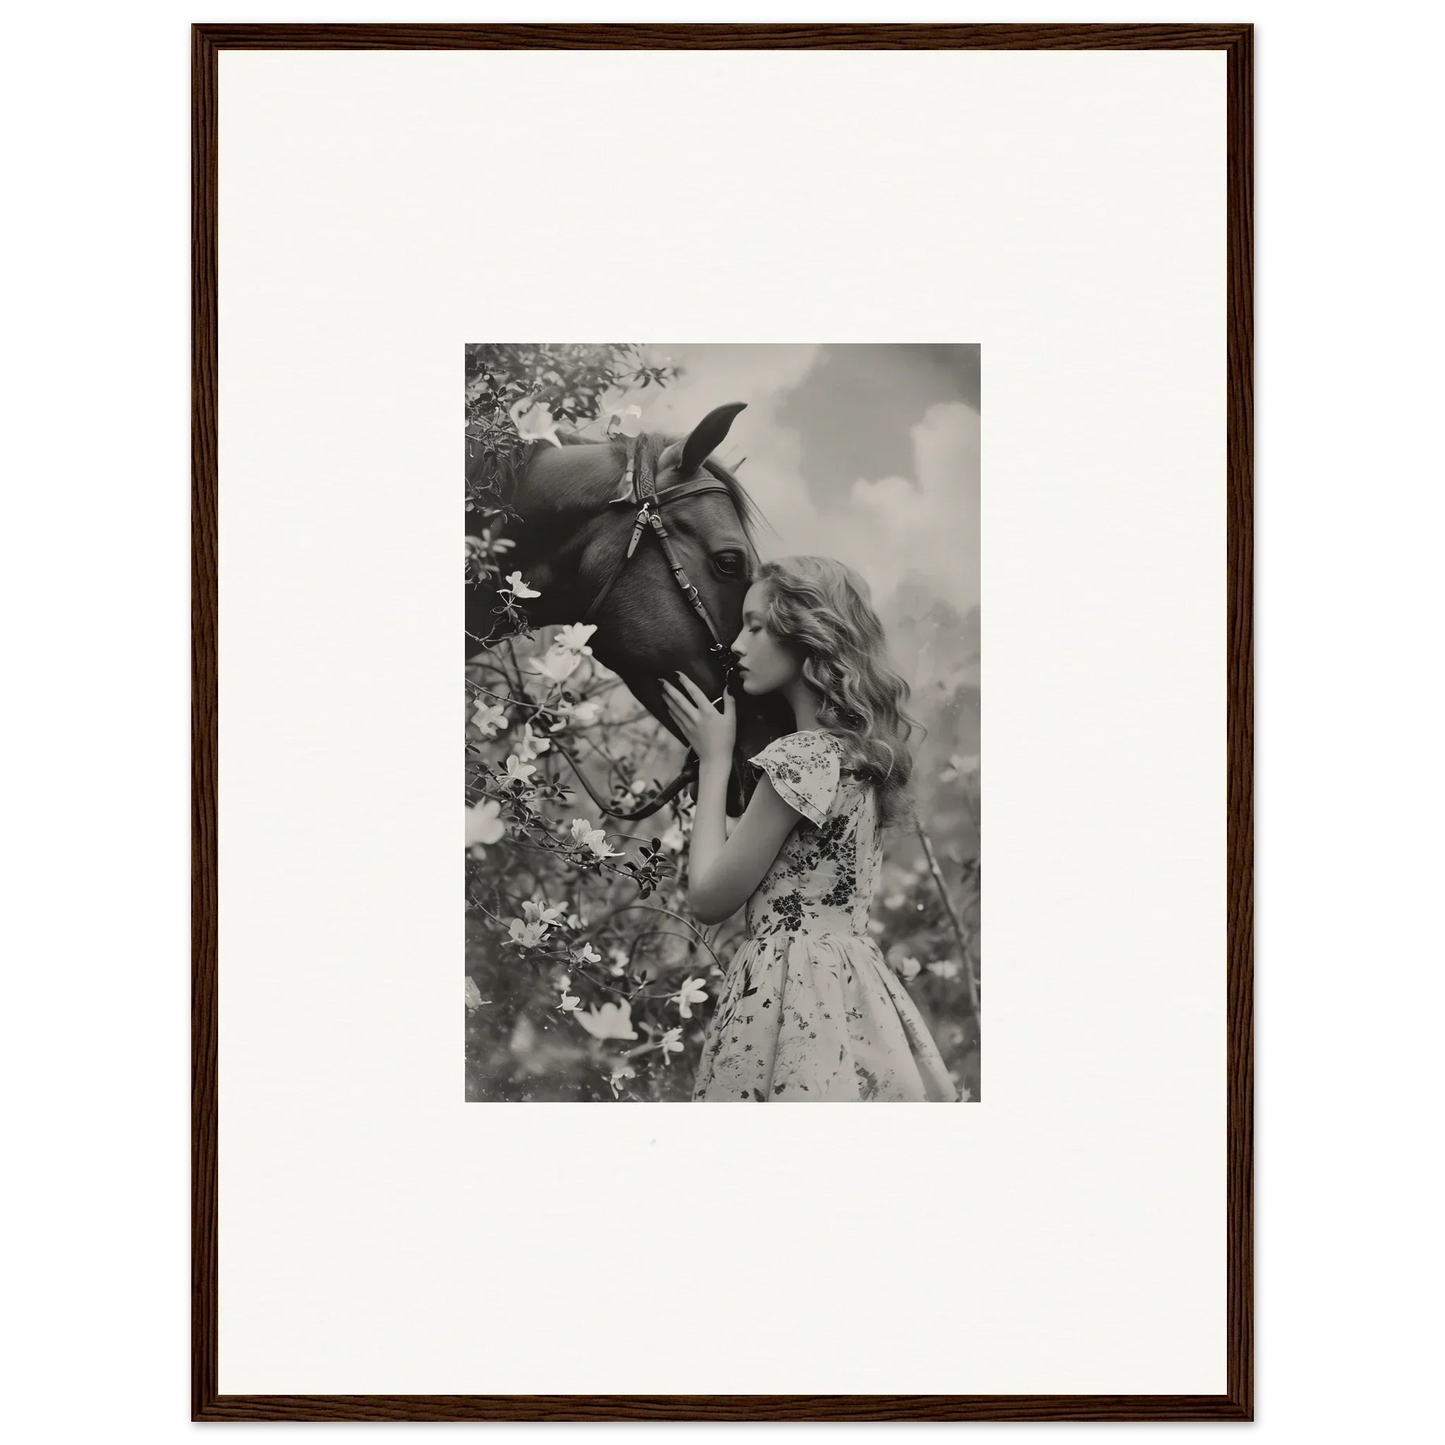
808	1009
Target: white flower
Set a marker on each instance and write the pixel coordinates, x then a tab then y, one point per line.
638	786
557	665
517	587
491	720
629	420
621	1072
908	968
541	913
691	992
517	770
674	839
527	935
671	1041
570	1001
618	961
947	968
488	543
530	745
573	638
610	1021
474	995
584	714
588	954
593	838
894	900
875	927
536	424
484	824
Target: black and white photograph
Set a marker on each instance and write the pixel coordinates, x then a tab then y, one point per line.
722	756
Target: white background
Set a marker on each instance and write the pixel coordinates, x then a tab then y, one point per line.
1068	1235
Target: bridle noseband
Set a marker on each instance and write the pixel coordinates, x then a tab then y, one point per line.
639	485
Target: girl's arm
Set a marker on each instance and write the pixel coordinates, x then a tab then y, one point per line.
724	868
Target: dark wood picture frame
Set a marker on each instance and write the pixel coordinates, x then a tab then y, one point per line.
1237	1403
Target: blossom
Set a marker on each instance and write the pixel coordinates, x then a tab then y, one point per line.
947	968
570	1001
588	954
530	745
474	994
958	765
691	992
609	1021
484	823
671	1041
490	719
557	665
574	920
517	770
573	638
638	786
622	1071
584	714
536	424
541	913
527	935
597	842
629	420
618	961
517	587
875	927
908	968
592	838
894	900
488	543
674	839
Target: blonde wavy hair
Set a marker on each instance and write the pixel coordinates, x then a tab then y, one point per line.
822	611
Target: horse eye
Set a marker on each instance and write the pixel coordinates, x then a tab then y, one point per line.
730	564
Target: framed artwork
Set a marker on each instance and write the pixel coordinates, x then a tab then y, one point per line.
834	417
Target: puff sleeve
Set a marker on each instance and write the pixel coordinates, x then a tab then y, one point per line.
804	771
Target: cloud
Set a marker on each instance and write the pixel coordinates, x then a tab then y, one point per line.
897	529
922	529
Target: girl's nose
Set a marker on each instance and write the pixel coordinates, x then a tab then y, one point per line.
738	644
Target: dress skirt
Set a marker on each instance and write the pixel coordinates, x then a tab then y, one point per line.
818	1017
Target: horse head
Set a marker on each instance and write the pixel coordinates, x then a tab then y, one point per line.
573	518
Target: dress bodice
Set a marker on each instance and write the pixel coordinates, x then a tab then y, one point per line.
823	878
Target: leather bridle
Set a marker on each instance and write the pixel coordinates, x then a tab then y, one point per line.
639	486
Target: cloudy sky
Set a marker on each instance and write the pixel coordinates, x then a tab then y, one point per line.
866	453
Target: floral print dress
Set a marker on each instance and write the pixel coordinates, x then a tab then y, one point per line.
808	1008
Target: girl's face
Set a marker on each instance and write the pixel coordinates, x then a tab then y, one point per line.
764	664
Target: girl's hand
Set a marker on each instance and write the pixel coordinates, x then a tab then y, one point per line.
709	733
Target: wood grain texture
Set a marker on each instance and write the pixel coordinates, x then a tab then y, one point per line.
1239	878
204	613
1238	1401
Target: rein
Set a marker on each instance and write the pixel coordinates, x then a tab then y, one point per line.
639	485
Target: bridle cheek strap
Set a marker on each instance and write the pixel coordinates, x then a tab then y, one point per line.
639	483
642	466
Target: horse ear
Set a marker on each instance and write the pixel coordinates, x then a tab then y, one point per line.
705	437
